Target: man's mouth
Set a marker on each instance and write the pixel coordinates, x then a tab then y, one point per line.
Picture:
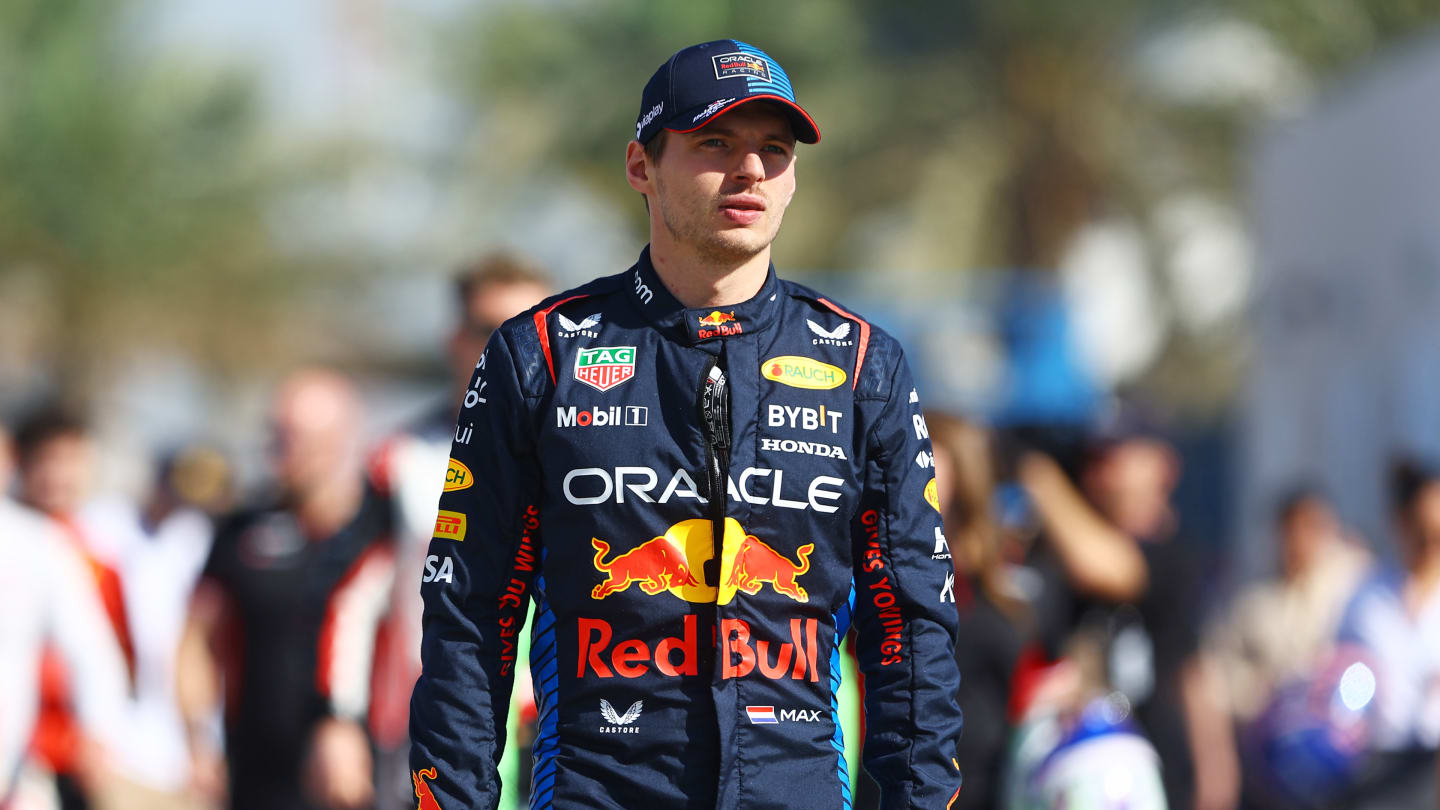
743	209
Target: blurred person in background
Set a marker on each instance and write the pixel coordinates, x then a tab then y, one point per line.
48	600
1018	582
1154	654
1394	617
1277	630
993	618
284	616
412	466
158	547
56	467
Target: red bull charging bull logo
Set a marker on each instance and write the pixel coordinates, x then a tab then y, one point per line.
675	562
717	324
426	799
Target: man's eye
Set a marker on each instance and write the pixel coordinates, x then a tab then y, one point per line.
712	142
779	150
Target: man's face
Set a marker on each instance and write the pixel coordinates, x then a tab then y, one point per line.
1131	485
723	189
489	306
56	476
1306	530
314	433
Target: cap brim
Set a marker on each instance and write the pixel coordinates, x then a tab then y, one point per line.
800	121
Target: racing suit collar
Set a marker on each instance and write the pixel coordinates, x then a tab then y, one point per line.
699	325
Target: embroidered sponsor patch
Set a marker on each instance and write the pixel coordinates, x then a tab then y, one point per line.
605	367
450	526
458	476
732	65
802	372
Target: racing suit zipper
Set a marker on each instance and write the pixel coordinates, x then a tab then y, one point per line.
715	418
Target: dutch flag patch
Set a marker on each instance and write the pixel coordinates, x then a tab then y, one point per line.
761	714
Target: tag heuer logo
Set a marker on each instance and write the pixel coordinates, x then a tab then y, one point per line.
605	367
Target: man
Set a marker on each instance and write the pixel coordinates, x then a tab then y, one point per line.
286	608
1280	629
1155	656
48	598
158	546
1394	617
701	474
56	468
411	465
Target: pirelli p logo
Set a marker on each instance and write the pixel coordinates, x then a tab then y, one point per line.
450	526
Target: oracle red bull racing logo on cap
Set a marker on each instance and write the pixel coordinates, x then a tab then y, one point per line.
675	562
732	65
605	367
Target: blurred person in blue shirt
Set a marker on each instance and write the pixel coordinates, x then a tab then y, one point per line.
1395	615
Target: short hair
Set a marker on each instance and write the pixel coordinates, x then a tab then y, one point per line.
653	150
495	268
43	425
656	146
1295	498
1409	477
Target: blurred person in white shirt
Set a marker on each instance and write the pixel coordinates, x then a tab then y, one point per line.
158	547
55	470
1278	629
47	598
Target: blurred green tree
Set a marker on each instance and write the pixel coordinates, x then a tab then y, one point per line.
131	192
957	135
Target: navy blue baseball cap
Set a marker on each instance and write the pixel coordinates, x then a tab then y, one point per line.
703	82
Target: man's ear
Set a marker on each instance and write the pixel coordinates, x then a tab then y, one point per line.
637	169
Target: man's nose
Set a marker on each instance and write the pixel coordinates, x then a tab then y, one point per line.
751	167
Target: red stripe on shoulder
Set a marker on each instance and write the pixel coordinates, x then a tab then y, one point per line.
864	339
544	333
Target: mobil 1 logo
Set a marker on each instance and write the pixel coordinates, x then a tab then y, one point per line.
611	416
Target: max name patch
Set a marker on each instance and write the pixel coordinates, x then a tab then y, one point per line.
730	65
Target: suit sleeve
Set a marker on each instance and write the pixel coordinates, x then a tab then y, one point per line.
905	617
476	584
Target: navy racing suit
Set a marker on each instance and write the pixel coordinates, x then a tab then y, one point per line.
700	502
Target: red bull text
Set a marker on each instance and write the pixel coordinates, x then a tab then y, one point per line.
675	656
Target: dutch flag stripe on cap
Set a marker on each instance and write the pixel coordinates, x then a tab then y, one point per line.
761	714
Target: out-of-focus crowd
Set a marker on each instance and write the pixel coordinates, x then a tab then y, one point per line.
201	648
1104	667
